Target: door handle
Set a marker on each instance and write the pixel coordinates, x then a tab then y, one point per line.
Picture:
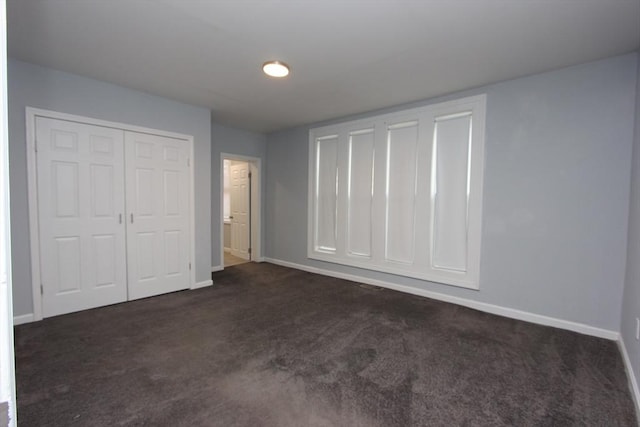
230	216
131	218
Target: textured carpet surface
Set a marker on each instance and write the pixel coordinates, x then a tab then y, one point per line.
271	346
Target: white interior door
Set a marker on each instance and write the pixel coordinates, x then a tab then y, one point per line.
239	172
80	213
158	237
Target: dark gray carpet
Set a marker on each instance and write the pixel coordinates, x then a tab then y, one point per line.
271	346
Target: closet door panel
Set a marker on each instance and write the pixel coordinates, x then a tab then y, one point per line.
80	206
158	214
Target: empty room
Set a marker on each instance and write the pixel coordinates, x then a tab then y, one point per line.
320	213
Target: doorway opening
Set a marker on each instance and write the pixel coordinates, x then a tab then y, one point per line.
240	210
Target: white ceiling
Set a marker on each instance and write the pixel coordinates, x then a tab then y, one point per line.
346	56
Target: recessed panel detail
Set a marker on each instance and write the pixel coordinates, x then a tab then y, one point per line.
102	196
104	259
146	259
171	154
360	192
101	145
65	189
144	150
144	191
326	193
64	141
402	142
172	252
171	193
450	192
68	264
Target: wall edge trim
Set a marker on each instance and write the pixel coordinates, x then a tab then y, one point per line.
22	319
203	284
631	377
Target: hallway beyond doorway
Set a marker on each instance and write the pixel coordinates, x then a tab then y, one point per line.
230	260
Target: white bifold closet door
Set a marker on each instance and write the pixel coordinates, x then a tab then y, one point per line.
113	214
81	206
158	214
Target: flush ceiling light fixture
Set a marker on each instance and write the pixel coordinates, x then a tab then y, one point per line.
275	69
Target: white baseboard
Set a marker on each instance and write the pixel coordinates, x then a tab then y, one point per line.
202	284
633	383
481	306
28	318
23	318
216	268
227	249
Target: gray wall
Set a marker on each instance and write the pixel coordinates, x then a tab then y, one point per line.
556	194
34	86
229	140
631	299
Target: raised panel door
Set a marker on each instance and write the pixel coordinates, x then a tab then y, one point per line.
239	172
80	212
158	240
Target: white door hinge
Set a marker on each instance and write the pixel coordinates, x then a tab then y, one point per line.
189	266
41	289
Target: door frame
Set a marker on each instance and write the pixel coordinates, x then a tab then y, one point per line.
7	364
255	199
32	170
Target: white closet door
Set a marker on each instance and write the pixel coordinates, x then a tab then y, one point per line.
157	214
80	212
239	173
